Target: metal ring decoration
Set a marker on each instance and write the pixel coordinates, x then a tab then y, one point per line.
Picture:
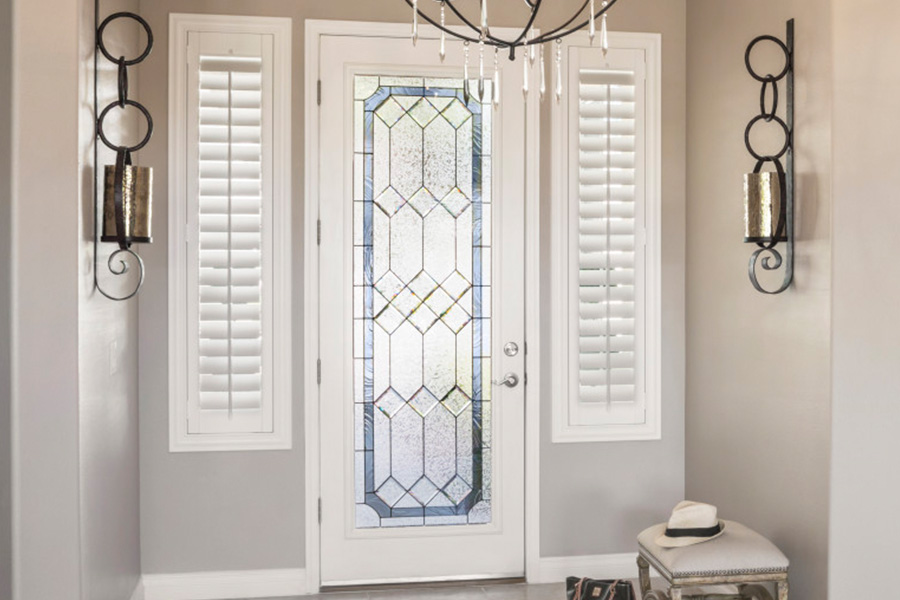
767	255
768	118
769	114
118	261
137	146
787	58
123	82
125	15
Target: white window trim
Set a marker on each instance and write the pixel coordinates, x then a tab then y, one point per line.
563	430
281	436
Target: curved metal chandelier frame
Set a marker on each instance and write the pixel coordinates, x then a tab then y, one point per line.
482	31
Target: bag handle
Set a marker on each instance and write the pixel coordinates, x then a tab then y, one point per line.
612	589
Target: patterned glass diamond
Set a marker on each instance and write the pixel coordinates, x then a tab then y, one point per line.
423	202
457	490
391	492
439	301
424	490
390	111
423	112
456	318
456	202
390	402
456	401
456	285
423	318
389	286
389	319
423	285
423	402
406	302
390	201
456	114
440	102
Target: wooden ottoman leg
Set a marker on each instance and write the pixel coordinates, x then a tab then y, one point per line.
675	593
643	575
783	590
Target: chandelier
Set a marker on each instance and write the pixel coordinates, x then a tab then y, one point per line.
528	40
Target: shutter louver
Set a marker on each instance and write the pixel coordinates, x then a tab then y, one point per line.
606	236
230	240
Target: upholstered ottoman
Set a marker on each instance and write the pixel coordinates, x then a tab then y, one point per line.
739	557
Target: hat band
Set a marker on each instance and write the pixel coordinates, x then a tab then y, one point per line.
695	532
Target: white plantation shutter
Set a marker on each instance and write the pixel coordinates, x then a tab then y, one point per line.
232	376
607	237
230	262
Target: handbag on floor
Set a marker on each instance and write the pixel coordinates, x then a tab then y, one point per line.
582	588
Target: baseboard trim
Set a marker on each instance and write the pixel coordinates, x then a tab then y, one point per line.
138	593
554	569
225	585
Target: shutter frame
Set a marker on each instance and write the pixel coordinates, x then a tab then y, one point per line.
229	364
606	280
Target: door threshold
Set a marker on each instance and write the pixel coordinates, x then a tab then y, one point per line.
444	583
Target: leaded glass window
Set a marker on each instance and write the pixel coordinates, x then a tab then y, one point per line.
422	301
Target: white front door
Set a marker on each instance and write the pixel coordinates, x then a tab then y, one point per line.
421	305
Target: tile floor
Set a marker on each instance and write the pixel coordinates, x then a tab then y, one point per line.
514	591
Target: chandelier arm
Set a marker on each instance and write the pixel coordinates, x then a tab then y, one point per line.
534	13
554	35
570	21
491	41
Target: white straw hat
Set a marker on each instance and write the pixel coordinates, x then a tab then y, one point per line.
691	523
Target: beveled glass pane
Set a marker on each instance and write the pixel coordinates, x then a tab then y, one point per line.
421	277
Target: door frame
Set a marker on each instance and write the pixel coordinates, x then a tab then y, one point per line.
311	314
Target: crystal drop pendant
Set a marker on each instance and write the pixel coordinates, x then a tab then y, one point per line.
543	75
525	75
481	71
495	92
466	72
415	24
559	89
531	53
592	26
604	34
443	33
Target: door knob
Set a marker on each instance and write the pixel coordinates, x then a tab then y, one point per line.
510	380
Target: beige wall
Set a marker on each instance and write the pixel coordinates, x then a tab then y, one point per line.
245	510
5	299
866	326
595	498
107	340
46	266
758	386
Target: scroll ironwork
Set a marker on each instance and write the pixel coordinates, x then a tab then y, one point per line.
124	255
768	256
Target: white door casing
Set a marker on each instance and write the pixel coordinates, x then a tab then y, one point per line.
366	555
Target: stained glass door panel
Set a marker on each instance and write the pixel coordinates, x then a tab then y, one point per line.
421	302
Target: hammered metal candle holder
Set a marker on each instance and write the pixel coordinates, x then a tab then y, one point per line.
762	208
125	216
137	205
769	195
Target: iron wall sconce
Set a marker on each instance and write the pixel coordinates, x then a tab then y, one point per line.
769	195
127	192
